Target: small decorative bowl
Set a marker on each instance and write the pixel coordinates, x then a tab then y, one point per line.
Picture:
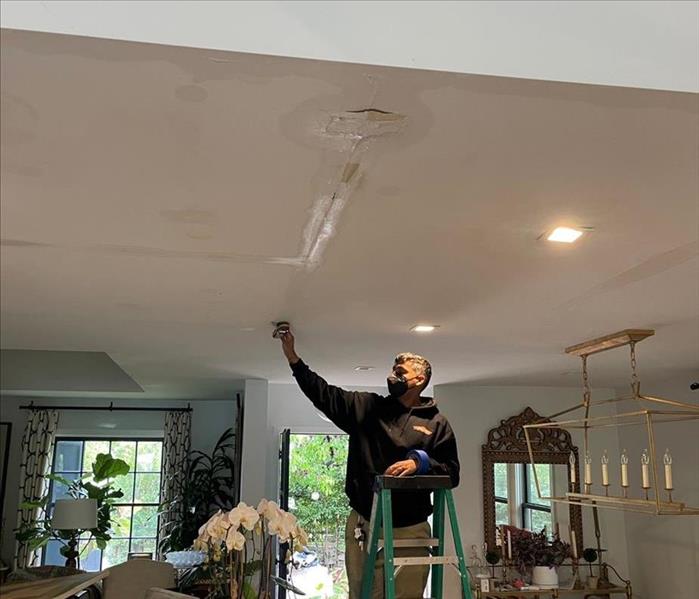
185	559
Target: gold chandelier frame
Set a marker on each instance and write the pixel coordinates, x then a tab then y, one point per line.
649	412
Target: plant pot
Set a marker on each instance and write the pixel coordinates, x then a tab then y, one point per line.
592	582
545	577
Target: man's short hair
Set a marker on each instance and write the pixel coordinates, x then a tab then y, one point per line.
420	364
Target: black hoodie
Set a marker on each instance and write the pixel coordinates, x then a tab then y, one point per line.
381	432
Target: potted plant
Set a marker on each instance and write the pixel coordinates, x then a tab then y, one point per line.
208	485
590	556
98	485
239	545
534	554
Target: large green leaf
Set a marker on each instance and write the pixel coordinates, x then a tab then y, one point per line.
59	479
105	466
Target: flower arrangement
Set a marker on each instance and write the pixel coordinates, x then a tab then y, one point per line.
239	549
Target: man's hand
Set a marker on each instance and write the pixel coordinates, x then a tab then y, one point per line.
287	338
402	468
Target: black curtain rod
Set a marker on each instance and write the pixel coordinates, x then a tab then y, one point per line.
110	408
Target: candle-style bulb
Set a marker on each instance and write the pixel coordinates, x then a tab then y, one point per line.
571	459
645	459
588	457
667	458
624	457
605	457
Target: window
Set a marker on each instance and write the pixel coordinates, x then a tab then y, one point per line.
502	511
516	500
536	512
135	518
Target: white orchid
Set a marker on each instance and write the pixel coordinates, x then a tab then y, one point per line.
283	524
225	535
235	540
217	526
248	516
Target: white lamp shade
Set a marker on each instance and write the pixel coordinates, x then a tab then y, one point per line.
74	514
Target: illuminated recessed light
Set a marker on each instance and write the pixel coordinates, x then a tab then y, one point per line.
424	328
564	235
364	368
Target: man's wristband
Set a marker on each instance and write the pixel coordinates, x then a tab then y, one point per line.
422	459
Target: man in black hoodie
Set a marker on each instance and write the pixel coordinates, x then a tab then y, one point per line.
398	435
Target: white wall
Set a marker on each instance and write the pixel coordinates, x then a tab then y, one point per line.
209	419
255	458
635	44
664	550
472	411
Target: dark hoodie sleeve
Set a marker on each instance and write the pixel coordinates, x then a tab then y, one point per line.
443	456
342	407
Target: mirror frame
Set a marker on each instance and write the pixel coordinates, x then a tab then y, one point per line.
507	444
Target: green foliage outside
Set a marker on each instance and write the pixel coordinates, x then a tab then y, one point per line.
317	497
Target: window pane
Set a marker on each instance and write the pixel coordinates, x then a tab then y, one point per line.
149	456
543	471
145	521
116	552
539	520
502	514
59	489
143	545
501	480
121	521
147	488
52	557
92	448
125	450
125	483
68	456
89	556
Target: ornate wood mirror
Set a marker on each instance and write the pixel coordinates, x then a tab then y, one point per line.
509	491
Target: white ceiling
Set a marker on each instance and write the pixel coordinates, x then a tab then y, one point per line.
157	202
650	44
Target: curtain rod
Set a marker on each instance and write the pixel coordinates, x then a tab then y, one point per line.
109	408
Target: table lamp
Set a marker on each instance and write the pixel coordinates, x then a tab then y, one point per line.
74	516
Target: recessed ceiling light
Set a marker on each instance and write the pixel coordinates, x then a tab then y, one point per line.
424	328
364	368
564	235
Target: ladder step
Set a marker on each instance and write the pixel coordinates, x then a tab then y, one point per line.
413	543
421	561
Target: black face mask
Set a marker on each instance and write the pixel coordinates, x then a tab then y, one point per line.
397	386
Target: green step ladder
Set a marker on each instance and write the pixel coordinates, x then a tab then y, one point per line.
381	514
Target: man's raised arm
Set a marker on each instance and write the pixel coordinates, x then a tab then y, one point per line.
337	404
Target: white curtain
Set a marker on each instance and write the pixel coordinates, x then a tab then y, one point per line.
176	445
37	451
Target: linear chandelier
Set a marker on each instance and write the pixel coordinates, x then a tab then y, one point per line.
655	495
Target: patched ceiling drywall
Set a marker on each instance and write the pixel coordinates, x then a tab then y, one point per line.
161	204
